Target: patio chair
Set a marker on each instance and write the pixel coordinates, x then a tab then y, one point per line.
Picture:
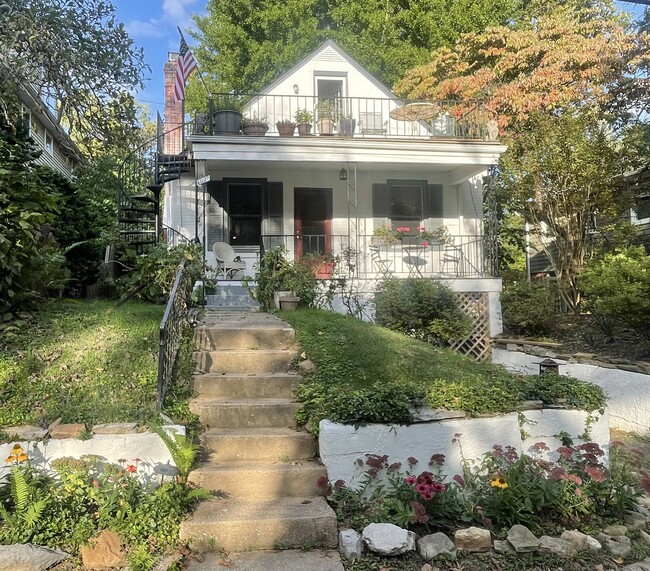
228	262
371	124
384	266
452	257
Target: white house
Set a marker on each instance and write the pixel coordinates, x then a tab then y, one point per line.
387	162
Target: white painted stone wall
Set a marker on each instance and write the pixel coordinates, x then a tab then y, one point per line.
342	445
154	466
628	392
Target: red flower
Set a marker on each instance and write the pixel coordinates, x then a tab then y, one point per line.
131	469
410	480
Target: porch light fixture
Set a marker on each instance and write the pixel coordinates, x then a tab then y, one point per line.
549	366
296	89
343	174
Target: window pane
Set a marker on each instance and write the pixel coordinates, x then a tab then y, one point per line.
405	203
643	207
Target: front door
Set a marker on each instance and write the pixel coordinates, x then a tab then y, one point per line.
313	226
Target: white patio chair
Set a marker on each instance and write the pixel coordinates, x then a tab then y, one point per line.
228	262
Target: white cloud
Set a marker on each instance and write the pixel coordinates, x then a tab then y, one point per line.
175	12
150	29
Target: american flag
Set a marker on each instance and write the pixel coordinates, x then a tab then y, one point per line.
185	65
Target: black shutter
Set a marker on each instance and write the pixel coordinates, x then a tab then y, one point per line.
379	205
273	212
215	213
433	201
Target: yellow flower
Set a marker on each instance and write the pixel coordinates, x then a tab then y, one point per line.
17	454
499	482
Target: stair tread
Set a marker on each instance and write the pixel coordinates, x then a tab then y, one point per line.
261	466
248	402
235	509
269	432
264	376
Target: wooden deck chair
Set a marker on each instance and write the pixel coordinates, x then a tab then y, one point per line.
228	262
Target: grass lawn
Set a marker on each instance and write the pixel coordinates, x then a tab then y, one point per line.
83	361
367	373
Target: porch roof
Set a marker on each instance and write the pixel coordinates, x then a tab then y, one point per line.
446	154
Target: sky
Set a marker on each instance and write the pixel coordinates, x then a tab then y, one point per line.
152	26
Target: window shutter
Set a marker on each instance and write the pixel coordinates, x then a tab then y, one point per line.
433	201
215	213
379	205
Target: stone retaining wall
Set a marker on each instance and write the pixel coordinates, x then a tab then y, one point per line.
626	384
342	445
146	450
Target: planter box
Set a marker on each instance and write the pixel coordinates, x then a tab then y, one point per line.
226	122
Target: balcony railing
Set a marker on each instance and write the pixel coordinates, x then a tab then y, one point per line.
459	257
358	117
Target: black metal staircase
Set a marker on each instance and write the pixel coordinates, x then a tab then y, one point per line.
142	176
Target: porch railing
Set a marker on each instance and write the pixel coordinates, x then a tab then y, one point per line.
461	256
368	117
171	330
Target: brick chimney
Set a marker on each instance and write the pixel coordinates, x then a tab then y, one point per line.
173	142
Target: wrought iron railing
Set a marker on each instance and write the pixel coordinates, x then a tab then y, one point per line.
173	237
459	256
171	331
353	116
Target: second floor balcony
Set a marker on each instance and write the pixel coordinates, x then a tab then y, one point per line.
346	117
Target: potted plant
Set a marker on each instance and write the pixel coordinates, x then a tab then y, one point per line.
227	117
254	125
347	124
304	119
286	127
325	115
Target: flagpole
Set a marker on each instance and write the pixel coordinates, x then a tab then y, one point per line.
197	67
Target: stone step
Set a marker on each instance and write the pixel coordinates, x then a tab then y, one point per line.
244	361
233	444
211	338
260	480
243	413
271	385
245	302
290	560
238	525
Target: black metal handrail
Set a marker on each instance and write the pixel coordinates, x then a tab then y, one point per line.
355	116
171	330
173	237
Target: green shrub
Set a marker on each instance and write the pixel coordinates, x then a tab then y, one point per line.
422	308
277	273
153	274
617	287
529	308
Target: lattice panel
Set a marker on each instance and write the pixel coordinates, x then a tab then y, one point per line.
478	344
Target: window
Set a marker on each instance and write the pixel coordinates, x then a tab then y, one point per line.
49	143
405	205
27	120
245	210
640	214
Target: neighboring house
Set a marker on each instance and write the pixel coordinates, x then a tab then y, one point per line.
58	151
387	162
638	183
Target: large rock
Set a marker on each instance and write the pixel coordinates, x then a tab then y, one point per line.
619	546
556	546
350	544
522	539
62	431
615	530
638	566
104	552
26	432
436	545
594	544
502	546
28	557
473	539
579	540
388	539
634	520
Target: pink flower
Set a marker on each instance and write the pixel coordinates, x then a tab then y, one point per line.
540	446
565	452
410	480
574	478
595	474
420	228
425	243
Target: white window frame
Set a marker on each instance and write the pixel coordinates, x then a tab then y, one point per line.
48	143
634	219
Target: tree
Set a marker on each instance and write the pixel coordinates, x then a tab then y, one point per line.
244	44
564	55
75	55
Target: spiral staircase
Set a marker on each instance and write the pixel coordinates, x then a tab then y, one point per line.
142	177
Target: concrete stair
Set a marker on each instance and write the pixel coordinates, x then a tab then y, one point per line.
232	296
256	458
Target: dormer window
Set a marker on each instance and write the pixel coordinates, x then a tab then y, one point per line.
49	143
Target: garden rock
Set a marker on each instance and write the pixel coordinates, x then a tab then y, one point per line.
350	544
615	530
473	539
115	428
67	431
619	546
634	520
306	365
29	557
388	539
556	546
645	536
26	432
522	539
638	566
579	540
104	552
436	545
502	546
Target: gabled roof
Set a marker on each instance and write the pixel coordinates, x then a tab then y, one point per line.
331	44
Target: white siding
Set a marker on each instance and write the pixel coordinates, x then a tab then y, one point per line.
54	158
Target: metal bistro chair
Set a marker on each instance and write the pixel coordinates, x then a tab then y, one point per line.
384	266
228	262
